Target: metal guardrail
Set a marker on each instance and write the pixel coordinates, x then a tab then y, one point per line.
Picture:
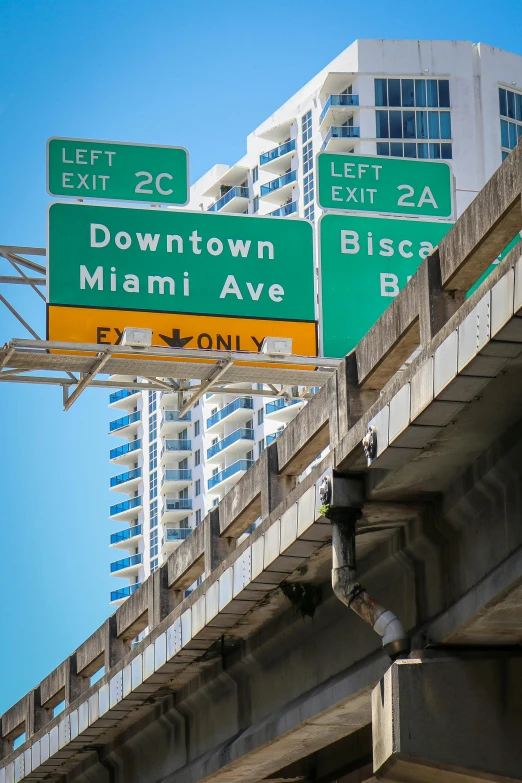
126	535
122	478
127	448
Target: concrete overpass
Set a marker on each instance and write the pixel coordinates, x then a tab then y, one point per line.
262	673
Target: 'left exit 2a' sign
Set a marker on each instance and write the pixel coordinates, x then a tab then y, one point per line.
118	171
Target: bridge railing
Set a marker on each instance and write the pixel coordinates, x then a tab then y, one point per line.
337	417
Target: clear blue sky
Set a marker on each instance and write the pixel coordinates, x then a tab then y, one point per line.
201	75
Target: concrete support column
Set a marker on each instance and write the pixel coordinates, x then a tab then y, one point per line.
216	548
161	599
273	486
74	684
449	719
6	745
114	648
36	715
352	401
436	306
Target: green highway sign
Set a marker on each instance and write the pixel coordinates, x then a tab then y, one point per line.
179	261
395	186
364	263
86	169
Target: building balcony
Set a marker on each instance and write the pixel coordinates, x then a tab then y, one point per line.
119	596
281	410
285	211
222	481
227	177
169	399
174	536
126	454
126	482
128	509
124	539
238	441
234	200
127	567
126	426
340	138
174	450
124	398
239	409
278	159
279	190
277	133
173	480
175	509
171	423
337	109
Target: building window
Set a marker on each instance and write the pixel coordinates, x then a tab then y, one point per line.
197	457
153	565
416	118
255	205
431	93
309	212
153	456
153	514
196	428
154	543
510	106
216	501
197	490
306	127
260	416
413	124
198	517
308	189
432	150
153	485
153	427
152	401
260	446
255	174
308	157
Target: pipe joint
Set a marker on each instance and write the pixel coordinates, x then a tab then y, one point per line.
353	595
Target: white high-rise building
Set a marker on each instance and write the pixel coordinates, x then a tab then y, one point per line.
450	100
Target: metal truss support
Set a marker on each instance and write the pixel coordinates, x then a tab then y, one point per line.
221	368
11	280
172	387
17	253
98	365
5	359
22	274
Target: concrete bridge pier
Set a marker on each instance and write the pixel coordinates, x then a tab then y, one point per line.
449	718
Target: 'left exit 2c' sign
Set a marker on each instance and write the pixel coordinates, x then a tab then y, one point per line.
118	171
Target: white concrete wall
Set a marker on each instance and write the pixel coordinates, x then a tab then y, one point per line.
475	72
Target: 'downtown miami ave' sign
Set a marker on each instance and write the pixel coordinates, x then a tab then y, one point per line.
164	261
